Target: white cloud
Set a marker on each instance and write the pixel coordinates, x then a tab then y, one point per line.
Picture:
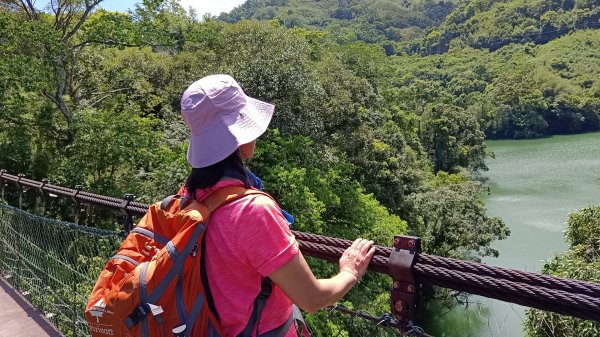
211	6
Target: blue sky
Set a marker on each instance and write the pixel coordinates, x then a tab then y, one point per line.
201	6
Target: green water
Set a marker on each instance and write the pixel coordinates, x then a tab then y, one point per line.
534	185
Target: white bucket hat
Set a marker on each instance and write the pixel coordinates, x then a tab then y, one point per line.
221	118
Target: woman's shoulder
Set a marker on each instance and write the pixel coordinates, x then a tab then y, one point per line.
262	199
259	202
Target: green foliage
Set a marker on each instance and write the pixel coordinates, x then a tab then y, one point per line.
450	217
580	262
373	21
320	190
453	138
518	91
109	28
493	24
109	151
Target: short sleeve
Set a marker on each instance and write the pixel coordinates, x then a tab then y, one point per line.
264	238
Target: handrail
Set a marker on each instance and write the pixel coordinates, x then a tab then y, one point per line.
560	295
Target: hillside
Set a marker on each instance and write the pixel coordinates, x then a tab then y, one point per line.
493	24
427	26
525	69
350	20
518	91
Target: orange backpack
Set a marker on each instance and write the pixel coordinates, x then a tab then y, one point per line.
156	283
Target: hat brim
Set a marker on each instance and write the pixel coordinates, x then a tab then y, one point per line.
223	137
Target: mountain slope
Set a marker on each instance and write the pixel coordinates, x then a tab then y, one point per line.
493	24
428	26
370	21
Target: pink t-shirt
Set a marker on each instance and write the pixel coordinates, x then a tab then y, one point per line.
247	240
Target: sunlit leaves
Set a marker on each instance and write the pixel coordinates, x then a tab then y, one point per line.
451	219
580	262
110	151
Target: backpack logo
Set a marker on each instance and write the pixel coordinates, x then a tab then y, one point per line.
98	310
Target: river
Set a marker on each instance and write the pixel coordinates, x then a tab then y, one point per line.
534	185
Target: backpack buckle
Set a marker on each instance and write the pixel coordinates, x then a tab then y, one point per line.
265	288
137	315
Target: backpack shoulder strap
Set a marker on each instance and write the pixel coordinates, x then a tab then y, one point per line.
259	304
228	194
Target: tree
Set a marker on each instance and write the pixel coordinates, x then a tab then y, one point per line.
453	138
27	118
519	103
66	20
112	151
579	262
450	217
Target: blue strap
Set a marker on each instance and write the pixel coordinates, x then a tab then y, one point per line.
177	264
194	313
179	298
166	201
143	296
172	250
125	258
257	182
150	234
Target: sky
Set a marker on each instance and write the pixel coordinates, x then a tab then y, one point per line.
201	6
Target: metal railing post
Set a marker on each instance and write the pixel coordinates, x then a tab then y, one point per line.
127	222
43	195
77	205
20	189
2	172
405	290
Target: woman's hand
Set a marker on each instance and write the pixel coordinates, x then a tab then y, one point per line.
300	285
356	258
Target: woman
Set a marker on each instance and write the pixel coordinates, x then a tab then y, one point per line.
249	240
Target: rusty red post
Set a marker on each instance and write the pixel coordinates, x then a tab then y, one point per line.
404	293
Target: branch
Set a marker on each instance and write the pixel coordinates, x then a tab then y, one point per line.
12	119
106	42
109	92
57	14
106	95
55	134
89	6
50	97
31	7
27	7
117	43
65	20
60	104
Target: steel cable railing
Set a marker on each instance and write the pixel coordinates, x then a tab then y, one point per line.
564	296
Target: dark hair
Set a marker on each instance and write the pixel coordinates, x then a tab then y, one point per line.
206	177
